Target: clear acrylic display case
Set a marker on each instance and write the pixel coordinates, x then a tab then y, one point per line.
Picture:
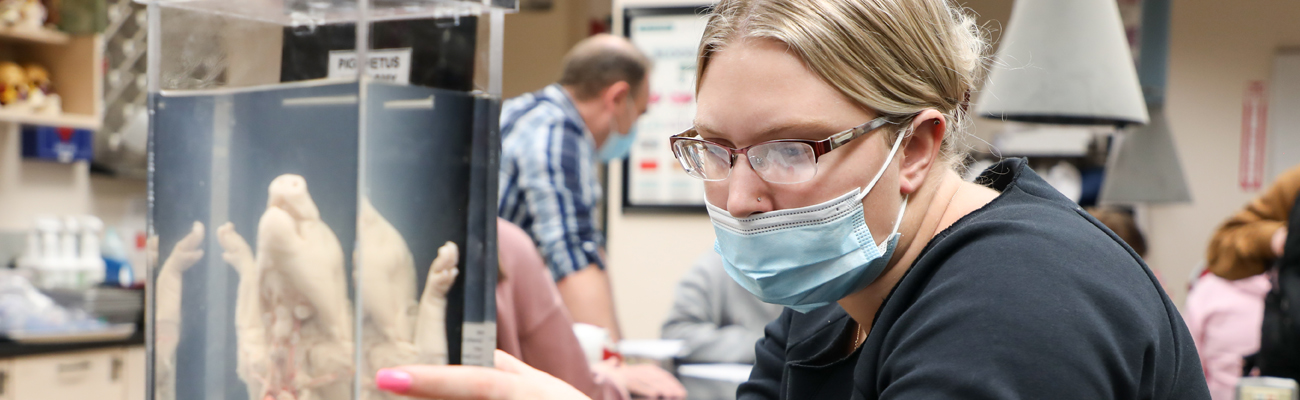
322	193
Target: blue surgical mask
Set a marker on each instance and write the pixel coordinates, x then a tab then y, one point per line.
618	145
805	258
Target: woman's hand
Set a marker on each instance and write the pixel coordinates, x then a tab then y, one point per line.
650	381
510	380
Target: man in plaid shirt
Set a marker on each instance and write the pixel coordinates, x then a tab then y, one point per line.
551	142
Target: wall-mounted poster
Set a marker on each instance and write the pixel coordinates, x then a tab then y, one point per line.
652	177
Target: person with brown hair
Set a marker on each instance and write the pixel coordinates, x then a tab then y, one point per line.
1120	221
1252	258
551	142
1252	239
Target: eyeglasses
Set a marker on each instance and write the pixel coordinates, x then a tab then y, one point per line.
776	161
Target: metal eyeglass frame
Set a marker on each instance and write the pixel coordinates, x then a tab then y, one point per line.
819	147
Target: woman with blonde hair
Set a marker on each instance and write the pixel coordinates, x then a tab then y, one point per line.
826	135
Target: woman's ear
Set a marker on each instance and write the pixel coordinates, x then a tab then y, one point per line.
920	152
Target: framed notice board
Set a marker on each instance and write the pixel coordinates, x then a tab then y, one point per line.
652	178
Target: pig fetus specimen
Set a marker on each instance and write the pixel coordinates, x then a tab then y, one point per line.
167	309
398	330
292	314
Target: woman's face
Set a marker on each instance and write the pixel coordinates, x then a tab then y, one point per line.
757	90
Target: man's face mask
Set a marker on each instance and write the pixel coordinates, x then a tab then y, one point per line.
619	144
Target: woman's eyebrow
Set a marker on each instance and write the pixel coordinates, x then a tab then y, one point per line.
709	134
810	129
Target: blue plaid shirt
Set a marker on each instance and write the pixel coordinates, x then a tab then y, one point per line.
548	182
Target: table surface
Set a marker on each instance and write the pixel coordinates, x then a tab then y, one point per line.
10	348
707	389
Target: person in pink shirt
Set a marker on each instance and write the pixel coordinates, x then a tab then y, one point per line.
534	326
1224	318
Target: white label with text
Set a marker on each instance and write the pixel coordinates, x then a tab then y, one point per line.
391	65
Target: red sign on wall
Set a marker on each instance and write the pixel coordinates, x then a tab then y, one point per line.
1254	131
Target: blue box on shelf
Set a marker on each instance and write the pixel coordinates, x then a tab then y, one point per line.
57	144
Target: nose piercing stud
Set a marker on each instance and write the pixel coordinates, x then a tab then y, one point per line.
760	199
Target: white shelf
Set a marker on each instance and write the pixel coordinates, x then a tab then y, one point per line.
44	36
63	121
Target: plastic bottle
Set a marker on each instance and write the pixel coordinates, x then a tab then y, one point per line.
31	257
118	271
69	264
90	262
46	270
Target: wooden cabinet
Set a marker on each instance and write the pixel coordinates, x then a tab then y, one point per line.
75	64
96	374
6	380
111	373
135	379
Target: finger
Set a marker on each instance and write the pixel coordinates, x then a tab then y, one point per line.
668	389
677	391
508	363
642	387
658	382
672	385
447	382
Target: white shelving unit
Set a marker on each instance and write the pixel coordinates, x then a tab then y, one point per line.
27	188
75	64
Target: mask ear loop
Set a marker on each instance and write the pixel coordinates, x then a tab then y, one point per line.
901	210
881	172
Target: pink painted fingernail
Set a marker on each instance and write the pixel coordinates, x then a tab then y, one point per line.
393	380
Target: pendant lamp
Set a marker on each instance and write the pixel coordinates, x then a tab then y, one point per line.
1064	62
1144	167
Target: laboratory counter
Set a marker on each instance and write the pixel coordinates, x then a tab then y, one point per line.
10	348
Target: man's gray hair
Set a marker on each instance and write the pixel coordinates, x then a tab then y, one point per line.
599	61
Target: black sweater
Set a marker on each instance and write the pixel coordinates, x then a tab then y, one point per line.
1028	297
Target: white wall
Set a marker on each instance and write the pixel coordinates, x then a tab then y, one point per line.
1216	49
1284	113
648	254
30	188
